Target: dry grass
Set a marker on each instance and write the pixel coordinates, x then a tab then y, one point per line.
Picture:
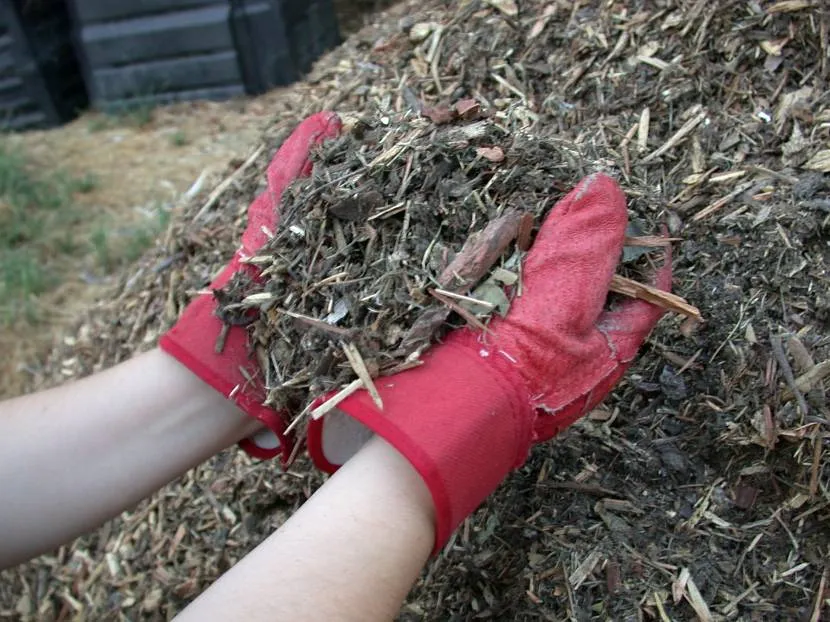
134	174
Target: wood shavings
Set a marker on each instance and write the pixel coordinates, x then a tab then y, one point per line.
359	367
334	401
664	300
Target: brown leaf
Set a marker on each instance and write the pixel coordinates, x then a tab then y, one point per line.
745	496
439	114
508	7
468	109
524	239
494	154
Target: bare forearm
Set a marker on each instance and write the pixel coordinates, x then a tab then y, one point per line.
77	455
352	552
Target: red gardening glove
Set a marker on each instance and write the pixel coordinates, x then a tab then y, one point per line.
193	339
470	413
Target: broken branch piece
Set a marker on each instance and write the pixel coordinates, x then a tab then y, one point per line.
664	300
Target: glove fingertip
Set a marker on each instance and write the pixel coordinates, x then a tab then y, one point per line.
627	326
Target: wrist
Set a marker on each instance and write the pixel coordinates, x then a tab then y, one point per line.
207	408
379	454
460	421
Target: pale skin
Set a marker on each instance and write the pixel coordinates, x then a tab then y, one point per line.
77	455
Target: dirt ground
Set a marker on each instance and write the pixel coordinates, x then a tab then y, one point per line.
136	169
700	489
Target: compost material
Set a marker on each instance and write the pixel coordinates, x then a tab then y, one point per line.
700	489
404	226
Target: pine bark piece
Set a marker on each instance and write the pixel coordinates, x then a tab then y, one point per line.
475	259
480	253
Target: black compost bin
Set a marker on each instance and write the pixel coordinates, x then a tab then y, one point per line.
40	81
137	52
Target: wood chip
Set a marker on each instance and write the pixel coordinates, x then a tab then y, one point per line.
650	241
790	6
228	182
664	300
724	200
332	403
642	129
696	601
585	568
480	253
359	366
524	237
686	129
452	305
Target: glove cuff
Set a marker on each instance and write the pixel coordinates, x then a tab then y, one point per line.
460	422
192	341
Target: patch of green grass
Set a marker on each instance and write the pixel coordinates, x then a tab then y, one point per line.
41	234
134	115
100	243
46	238
99	123
33	208
178	138
114	247
21	280
139	115
87	183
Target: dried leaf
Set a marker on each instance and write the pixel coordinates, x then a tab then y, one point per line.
494	154
468	109
420	31
790	101
440	114
505	277
774	47
508	7
539	25
819	162
493	294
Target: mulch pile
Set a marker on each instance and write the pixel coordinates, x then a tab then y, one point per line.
701	488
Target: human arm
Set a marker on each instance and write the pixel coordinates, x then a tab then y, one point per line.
351	552
79	454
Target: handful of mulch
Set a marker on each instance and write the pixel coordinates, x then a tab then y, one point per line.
405	229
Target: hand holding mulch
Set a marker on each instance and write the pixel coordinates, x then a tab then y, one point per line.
214	345
470	413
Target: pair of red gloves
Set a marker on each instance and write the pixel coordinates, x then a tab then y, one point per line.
471	412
